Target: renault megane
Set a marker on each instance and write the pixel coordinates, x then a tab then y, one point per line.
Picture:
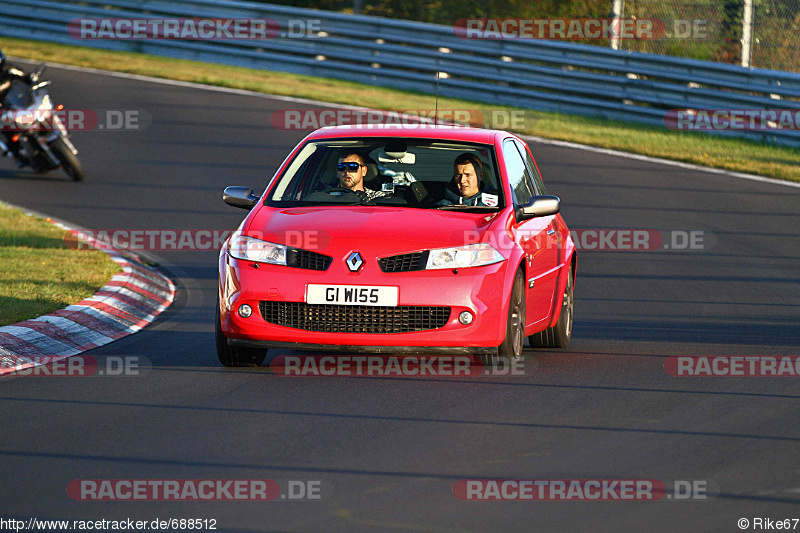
396	239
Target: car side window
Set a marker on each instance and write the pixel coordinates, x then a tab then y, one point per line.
537	179
518	176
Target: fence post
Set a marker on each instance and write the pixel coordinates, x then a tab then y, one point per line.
615	24
747	32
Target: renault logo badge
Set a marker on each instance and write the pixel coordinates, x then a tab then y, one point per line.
354	262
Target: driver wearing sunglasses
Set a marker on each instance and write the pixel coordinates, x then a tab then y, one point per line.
351	171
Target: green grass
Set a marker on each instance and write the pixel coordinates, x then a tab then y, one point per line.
731	154
39	273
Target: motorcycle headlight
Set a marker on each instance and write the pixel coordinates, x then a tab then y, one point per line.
251	249
471	255
45	110
24	120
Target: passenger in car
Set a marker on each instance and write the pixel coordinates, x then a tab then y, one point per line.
470	187
351	171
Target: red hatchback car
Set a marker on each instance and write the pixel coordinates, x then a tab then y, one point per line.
397	239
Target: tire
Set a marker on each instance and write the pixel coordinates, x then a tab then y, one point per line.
511	349
234	356
559	335
69	162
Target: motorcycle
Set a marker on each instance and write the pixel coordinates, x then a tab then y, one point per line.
32	132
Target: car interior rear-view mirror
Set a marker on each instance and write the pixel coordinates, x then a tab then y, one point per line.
406	158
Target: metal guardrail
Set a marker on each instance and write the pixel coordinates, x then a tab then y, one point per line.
543	75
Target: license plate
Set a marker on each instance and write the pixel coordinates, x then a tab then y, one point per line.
352	295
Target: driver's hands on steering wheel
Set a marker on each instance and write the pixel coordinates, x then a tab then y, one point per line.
338	188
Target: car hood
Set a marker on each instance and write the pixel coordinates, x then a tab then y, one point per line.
403	229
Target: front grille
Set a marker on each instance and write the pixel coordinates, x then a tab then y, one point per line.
404	262
309	260
354	318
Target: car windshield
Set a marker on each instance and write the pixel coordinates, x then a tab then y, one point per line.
415	173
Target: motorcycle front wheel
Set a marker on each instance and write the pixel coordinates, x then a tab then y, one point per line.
69	162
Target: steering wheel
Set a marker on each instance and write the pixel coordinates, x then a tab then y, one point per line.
344	190
339	188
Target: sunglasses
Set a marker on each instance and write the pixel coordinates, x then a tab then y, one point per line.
351	167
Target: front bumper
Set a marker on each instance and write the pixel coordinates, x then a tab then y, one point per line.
480	290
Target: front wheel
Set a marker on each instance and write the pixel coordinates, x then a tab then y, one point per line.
559	335
511	349
235	355
69	161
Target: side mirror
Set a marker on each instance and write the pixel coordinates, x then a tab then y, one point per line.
539	206
240	197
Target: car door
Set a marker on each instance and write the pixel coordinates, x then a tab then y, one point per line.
536	236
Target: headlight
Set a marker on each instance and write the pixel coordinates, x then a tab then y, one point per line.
24	120
250	249
471	255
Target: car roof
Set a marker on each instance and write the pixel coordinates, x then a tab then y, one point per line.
449	133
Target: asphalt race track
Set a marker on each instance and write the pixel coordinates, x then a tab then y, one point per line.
390	450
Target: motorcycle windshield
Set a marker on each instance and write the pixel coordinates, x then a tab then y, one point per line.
20	95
